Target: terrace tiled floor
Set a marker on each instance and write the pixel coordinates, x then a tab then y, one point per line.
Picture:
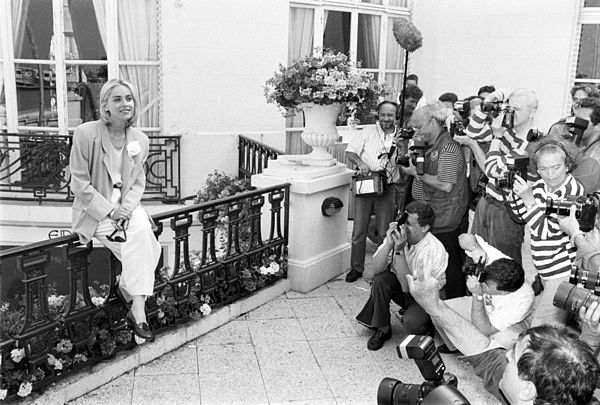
298	349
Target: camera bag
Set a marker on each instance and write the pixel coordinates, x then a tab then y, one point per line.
369	185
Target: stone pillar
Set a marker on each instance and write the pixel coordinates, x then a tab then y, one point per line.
318	246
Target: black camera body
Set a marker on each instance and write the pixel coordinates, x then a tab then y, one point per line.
492	108
439	387
519	167
416	154
457	127
585	211
406	133
463	108
586	279
576	127
508	120
534	135
475	269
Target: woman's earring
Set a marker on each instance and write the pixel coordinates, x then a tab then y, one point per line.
107	113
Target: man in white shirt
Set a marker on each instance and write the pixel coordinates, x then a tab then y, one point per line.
502	299
403	251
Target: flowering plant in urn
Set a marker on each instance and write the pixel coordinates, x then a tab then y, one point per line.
323	80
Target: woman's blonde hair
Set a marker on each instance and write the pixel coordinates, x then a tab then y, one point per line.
105	95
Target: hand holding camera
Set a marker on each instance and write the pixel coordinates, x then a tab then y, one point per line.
523	190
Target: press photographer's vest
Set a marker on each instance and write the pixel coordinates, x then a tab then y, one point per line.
449	207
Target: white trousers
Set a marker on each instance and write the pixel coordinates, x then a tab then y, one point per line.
139	255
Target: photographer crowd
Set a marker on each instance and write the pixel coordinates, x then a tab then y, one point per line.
490	195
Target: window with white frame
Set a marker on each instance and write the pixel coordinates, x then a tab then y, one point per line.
56	55
361	29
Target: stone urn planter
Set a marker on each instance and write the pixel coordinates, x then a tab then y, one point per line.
320	132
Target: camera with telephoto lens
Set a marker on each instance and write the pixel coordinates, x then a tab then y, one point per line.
519	166
534	135
416	155
586	209
585	278
576	127
571	297
439	387
475	269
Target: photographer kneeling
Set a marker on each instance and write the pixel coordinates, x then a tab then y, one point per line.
404	250
502	298
547	365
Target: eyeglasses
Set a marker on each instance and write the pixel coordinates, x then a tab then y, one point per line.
113	237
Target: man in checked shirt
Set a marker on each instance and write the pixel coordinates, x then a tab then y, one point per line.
493	219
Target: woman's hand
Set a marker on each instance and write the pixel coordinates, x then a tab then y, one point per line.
522	189
121	224
474	285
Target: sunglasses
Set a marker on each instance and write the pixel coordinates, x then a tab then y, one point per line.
113	237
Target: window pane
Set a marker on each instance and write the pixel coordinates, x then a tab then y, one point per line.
2	97
398	3
138	37
395	54
394	80
373	1
32	28
368	40
588	64
36	95
145	82
85	30
84	83
591	3
336	34
300	42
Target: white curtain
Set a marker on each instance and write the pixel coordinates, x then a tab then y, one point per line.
20	8
368	40
300	44
137	41
100	10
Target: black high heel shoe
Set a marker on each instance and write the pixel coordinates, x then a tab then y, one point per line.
140	329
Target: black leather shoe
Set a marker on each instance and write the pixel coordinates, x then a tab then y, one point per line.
353	275
444	349
141	329
378	339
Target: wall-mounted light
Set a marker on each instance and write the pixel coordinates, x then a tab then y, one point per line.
331	206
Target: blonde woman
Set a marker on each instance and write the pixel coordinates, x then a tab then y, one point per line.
108	180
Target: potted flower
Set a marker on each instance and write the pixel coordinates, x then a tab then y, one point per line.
320	85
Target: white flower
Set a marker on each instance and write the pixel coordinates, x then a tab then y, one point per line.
205	309
97	301
263	270
3	394
17	355
275	267
24	389
51	359
133	148
58	365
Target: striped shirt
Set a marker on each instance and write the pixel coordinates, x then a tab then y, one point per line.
450	163
372	146
497	160
553	254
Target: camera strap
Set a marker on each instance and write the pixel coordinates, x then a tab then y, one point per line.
516	219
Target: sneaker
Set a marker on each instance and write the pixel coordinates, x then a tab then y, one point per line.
353	275
378	339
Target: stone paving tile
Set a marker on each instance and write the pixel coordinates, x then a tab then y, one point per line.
315	307
333	326
179	361
339	287
118	390
179	389
235	387
274	330
358	400
351	304
321	291
231	333
276	309
318	401
227	358
296	355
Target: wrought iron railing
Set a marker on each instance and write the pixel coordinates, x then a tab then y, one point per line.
55	320
36	168
254	156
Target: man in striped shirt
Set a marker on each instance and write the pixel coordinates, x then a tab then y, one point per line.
553	254
493	219
443	186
